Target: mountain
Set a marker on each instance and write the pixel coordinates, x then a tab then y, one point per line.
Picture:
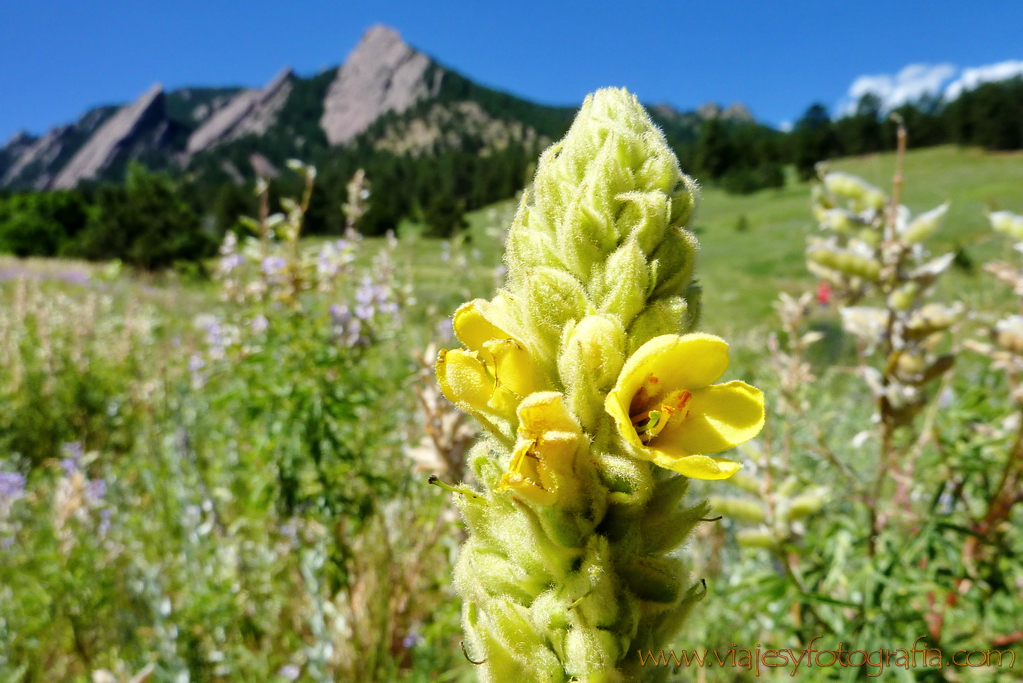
381	75
250	111
142	124
386	97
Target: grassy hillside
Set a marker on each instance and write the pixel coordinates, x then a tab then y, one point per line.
743	271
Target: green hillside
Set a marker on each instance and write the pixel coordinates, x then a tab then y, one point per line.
743	271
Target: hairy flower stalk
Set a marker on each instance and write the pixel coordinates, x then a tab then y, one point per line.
600	406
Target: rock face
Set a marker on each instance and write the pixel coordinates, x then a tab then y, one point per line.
251	111
40	155
381	75
735	113
32	163
446	126
14	148
114	137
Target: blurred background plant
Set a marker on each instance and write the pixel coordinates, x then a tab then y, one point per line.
878	512
226	500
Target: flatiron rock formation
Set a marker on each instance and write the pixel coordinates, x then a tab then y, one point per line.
382	74
40	155
251	111
115	137
14	148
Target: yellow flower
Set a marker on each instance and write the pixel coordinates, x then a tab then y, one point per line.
542	468
494	373
668	410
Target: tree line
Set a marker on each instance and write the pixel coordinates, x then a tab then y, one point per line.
153	220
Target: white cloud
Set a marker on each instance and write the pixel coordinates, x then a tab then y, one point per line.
971	78
785	126
909	85
916	80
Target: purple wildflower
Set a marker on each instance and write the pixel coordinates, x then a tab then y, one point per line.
72	456
326	264
12	485
347	329
259	324
104	522
366	292
445	330
411	640
340	314
230	262
272	265
95	491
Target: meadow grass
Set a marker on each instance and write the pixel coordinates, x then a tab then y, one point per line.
751	248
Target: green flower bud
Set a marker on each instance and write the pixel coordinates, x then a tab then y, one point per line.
924	225
1009	223
738	508
863	195
745	483
807	503
592	354
553	298
871	237
903	297
932	318
839	220
673	264
757	538
626	283
667	316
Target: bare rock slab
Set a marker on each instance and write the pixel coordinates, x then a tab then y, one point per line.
381	75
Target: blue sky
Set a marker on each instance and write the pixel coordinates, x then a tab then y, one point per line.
59	58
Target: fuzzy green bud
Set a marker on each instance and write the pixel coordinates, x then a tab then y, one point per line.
592	354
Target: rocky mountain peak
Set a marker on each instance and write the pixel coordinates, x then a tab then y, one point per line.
736	112
251	111
113	137
382	74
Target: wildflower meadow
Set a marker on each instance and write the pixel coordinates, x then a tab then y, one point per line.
621	428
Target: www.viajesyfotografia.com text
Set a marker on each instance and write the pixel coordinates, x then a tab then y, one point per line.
876	661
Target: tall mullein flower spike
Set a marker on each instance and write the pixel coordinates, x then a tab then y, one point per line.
600	403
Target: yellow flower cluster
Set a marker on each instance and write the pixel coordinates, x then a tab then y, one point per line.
665	404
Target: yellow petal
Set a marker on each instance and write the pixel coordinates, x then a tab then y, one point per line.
537	464
472	328
464	380
617	406
544	412
697	466
557	455
689	362
513	366
720	417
